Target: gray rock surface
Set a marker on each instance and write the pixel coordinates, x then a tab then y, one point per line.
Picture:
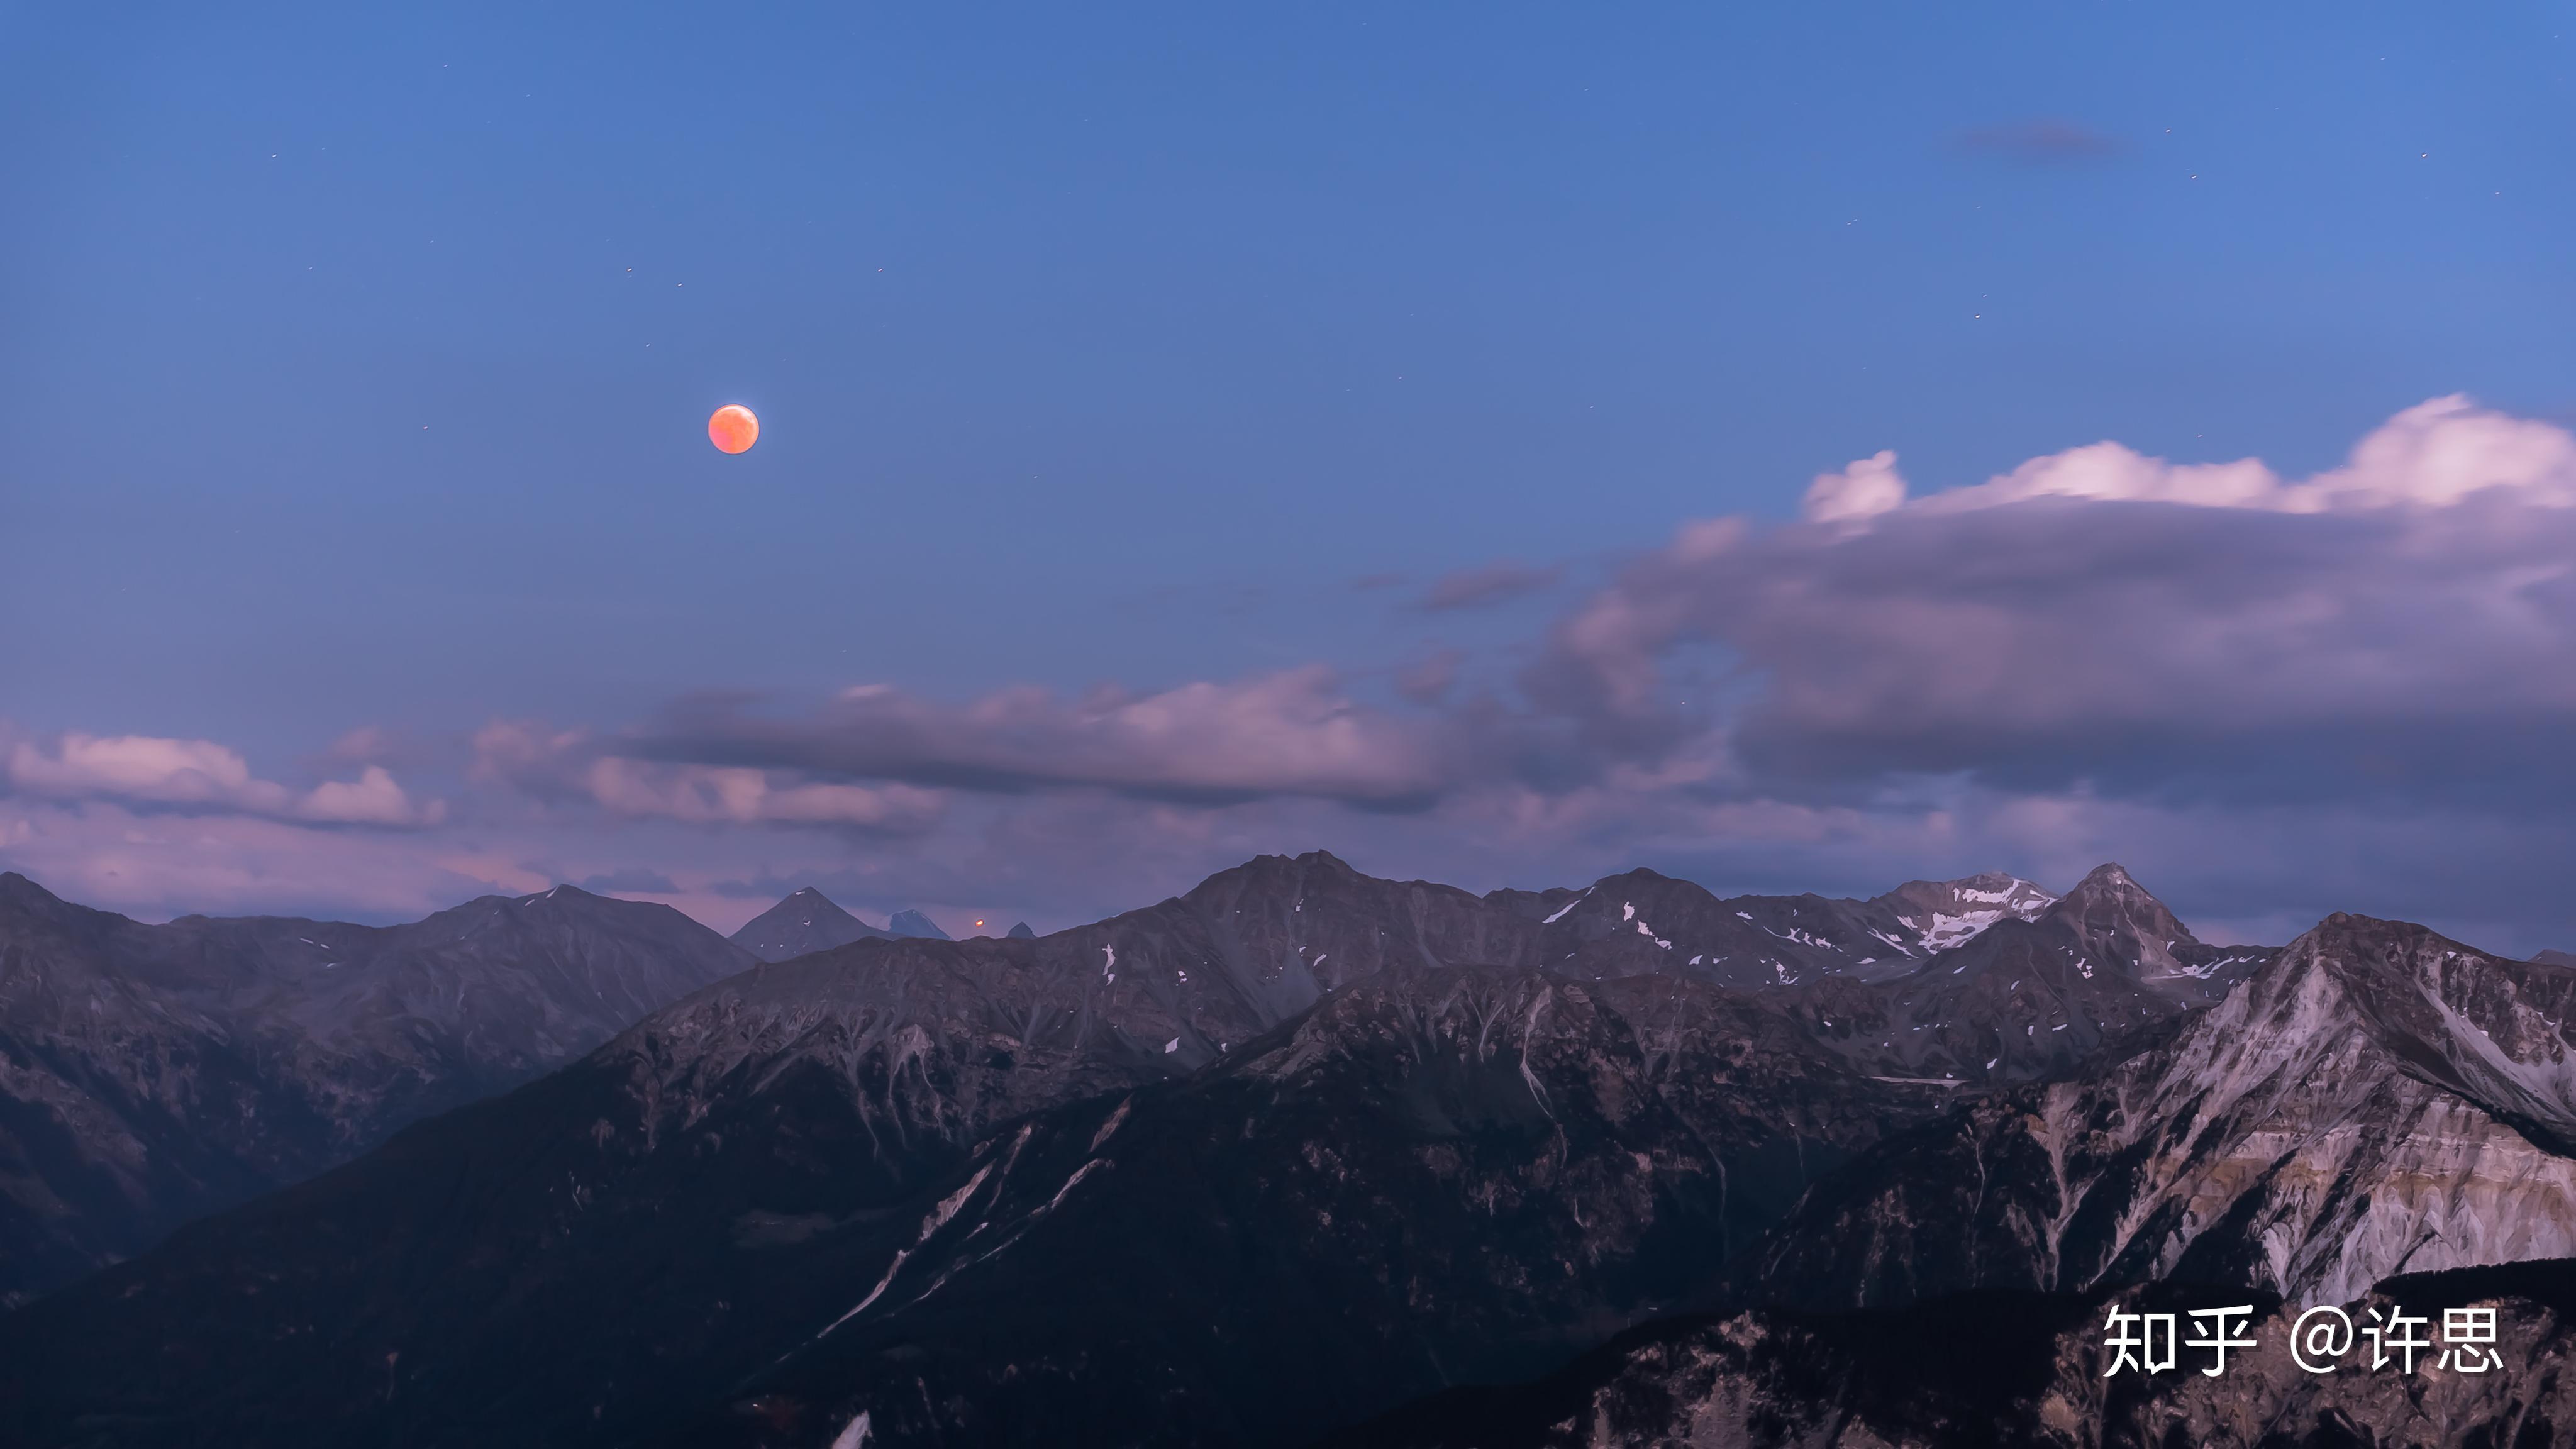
2377	1100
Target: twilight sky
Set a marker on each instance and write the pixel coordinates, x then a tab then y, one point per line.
1791	447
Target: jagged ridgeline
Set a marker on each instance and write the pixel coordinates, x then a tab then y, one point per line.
1269	1162
151	1074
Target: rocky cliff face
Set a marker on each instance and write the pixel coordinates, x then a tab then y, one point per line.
2377	1100
151	1074
1436	1173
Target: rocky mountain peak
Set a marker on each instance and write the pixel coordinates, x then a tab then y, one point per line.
1991	881
1950	913
1276	877
554	901
805	921
24	898
913	925
16	887
1640	875
560	914
2110	883
2375	1098
2122	923
2498	1032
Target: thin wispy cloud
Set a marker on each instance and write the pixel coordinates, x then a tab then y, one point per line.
1487	585
1292	733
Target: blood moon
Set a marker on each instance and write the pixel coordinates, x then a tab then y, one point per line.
733	429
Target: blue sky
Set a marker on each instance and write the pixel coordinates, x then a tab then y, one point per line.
354	365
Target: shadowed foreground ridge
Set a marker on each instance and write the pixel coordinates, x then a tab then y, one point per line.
1999	1368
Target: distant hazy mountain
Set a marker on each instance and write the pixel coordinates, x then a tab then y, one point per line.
1021	932
805	922
914	926
2556	958
152	1074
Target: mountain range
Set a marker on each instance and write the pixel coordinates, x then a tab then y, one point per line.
1298	1154
150	1074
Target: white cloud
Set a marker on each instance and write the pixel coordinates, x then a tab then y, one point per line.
1865	489
202	775
2435	454
2403	623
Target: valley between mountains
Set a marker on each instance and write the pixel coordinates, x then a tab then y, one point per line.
1300	1156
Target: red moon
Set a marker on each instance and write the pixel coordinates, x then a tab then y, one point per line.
733	429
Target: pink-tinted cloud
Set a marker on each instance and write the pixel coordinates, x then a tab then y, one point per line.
159	863
1861	491
201	775
2405	622
734	795
1427	680
1293	733
567	767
